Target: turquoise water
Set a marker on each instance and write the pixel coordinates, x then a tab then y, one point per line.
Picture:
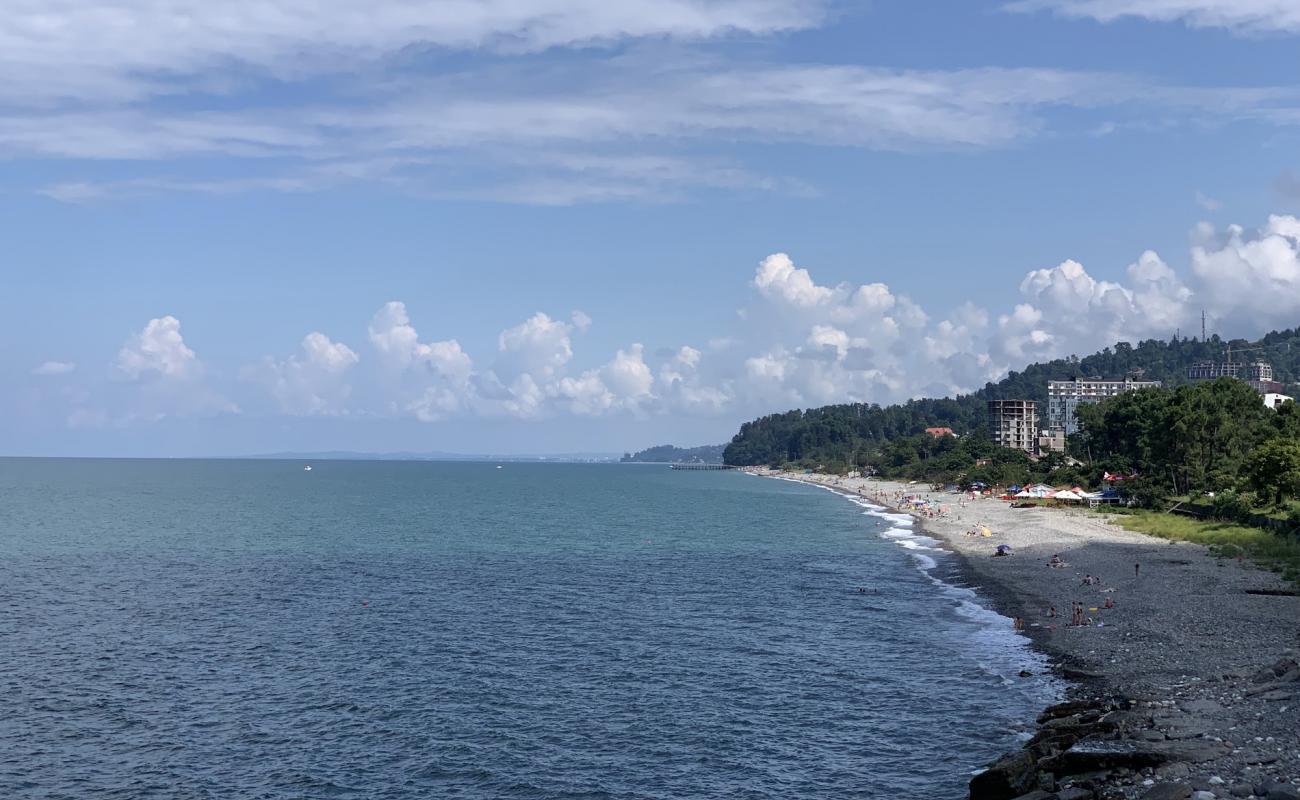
193	629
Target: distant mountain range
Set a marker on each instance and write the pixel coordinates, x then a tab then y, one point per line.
348	455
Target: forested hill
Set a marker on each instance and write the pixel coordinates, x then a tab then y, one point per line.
851	433
668	454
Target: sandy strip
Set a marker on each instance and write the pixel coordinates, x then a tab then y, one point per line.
1183	628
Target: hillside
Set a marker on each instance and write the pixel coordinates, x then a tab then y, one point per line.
668	454
854	433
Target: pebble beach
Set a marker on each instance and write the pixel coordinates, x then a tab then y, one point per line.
1187	686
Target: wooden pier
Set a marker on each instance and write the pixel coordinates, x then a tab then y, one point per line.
701	466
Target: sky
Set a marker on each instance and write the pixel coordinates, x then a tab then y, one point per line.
529	226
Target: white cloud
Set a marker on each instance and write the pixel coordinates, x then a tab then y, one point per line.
1245	16
131	49
598	129
1251	279
158	350
54	368
312	382
539	346
805	343
1208	203
399	345
169	378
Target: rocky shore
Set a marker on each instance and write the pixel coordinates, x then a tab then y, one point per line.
1186	684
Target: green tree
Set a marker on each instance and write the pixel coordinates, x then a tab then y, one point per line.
1274	469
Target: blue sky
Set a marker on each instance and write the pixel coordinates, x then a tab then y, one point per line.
492	225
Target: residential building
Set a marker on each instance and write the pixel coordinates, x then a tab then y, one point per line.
1255	371
940	432
1014	423
1051	440
1064	397
1273	399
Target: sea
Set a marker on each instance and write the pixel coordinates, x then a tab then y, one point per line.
253	629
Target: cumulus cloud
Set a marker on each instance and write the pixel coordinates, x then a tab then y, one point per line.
802	343
54	368
1244	16
312	382
169	379
1251	278
159	351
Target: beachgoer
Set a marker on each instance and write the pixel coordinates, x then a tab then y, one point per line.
1051	611
1110	602
1137	569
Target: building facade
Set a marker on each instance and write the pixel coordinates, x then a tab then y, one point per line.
1064	397
1273	399
1253	372
1014	423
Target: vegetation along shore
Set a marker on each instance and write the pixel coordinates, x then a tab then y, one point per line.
1147	538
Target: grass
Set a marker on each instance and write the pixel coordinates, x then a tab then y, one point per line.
1270	549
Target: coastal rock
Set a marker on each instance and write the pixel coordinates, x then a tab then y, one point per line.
1068	709
1075	793
1076	674
1096	754
1168	791
1037	794
1009	777
1241	790
1282	791
1127	720
1203	795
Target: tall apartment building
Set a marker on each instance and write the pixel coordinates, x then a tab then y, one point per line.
1064	397
1014	423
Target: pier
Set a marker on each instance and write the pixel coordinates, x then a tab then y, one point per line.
701	466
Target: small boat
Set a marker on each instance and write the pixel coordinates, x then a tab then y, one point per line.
307	468
498	466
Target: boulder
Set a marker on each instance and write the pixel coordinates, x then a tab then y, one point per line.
1037	794
1168	791
1241	790
1068	709
1282	791
1075	793
1009	777
1098	754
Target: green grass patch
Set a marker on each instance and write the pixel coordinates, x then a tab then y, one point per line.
1270	549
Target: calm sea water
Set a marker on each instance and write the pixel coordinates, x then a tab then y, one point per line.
246	629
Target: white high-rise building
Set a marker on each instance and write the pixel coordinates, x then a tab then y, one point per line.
1064	397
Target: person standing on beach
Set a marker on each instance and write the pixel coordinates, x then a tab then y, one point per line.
1137	569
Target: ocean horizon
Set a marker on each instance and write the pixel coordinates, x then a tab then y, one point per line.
389	629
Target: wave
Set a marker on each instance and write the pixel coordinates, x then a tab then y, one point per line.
1004	652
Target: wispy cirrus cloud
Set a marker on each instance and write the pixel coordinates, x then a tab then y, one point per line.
54	51
307	95
1241	16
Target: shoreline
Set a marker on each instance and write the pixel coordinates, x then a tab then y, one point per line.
1187	685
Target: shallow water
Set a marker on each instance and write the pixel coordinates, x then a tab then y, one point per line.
243	629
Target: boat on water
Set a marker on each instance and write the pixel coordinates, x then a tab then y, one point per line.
307	468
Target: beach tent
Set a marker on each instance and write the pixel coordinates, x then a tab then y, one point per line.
1040	490
1066	494
1023	493
1014	489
